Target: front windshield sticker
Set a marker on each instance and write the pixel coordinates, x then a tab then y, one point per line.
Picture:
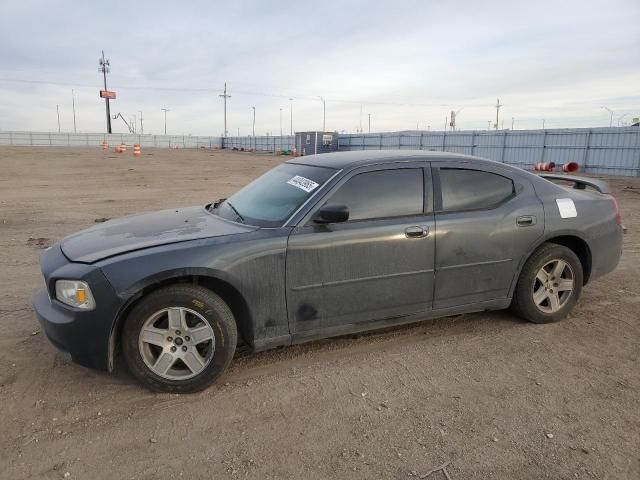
303	183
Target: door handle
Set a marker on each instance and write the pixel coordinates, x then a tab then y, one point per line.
416	231
526	220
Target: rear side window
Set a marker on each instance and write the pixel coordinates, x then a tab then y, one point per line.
383	193
472	189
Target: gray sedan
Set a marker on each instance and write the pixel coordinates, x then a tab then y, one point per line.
321	246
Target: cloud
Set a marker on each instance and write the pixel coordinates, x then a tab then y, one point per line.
406	63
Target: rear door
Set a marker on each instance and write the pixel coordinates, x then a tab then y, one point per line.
487	218
378	264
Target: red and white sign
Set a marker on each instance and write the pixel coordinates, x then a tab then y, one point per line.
107	94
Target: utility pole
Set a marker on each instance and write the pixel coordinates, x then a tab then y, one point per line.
360	119
497	112
369	123
291	110
141	127
225	96
165	110
254	121
324	111
512	121
105	68
73	104
58	112
281	121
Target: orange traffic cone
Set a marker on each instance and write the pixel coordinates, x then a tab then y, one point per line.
136	149
105	145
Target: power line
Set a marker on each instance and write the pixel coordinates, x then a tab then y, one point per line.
239	92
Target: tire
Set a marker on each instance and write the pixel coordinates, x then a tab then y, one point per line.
179	339
543	296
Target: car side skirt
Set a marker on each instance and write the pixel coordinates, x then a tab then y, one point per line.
348	329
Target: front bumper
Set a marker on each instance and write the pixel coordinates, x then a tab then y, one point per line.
83	334
72	332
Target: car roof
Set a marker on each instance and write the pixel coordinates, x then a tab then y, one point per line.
340	160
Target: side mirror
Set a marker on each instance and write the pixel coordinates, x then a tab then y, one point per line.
332	214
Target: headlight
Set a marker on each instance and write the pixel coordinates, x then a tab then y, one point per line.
75	293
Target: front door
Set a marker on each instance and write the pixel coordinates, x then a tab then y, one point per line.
487	219
376	265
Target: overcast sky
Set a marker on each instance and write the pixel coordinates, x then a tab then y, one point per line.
408	64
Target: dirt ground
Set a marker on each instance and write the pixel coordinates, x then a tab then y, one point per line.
492	396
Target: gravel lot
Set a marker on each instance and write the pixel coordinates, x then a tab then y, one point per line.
493	396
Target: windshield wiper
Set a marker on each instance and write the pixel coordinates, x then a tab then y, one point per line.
240	217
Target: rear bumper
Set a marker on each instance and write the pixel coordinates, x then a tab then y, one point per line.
606	251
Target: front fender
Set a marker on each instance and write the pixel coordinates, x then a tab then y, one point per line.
253	264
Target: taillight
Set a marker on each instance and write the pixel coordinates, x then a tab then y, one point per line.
617	207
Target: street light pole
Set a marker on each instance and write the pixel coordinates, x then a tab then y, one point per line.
291	110
141	127
73	105
165	110
610	115
369	123
254	121
621	117
280	121
58	112
324	111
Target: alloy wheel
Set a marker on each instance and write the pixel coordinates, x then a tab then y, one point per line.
553	286
176	343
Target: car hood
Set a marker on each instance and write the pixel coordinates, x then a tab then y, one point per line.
146	230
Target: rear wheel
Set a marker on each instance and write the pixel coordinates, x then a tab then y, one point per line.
179	339
549	286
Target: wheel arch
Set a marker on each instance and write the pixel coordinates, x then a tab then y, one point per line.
573	241
582	250
217	282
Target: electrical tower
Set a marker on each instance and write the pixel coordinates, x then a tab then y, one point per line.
497	112
225	96
105	68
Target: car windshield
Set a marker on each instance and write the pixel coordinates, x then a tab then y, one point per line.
270	199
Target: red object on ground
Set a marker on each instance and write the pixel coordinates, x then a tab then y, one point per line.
570	167
544	167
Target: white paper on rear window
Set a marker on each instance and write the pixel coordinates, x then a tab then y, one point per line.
303	183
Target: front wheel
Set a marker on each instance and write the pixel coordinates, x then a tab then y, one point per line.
549	286
179	339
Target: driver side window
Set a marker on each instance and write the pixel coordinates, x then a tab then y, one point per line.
382	194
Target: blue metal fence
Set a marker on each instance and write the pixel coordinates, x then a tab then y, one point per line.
600	151
608	151
54	139
269	143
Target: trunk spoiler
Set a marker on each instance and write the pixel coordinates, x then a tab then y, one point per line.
579	183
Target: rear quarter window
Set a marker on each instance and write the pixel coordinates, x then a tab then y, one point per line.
464	189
